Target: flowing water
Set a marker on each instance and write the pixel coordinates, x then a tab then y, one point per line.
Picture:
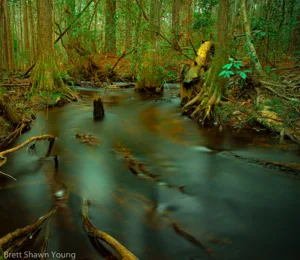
240	210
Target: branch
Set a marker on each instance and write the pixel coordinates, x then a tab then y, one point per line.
75	20
5	174
96	233
35	138
8	239
176	49
196	54
142	9
121	57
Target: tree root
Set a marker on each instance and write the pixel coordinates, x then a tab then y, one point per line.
24	123
98	234
3	159
24	233
192	239
265	85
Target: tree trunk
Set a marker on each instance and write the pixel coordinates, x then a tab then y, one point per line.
211	91
46	76
255	59
110	26
150	76
8	46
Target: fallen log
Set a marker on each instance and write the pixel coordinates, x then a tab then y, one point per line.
3	159
98	234
26	231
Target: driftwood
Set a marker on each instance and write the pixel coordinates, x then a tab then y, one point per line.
192	239
3	159
26	231
98	234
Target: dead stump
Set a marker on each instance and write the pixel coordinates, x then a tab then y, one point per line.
98	109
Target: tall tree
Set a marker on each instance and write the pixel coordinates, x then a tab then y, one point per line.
110	25
46	76
210	93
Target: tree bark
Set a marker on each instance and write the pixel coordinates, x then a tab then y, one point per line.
110	26
46	75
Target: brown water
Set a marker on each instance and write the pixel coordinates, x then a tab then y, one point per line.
256	209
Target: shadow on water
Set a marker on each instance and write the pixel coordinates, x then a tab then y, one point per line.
255	208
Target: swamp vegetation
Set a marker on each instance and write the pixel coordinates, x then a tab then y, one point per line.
149	129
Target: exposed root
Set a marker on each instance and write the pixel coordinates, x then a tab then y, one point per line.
25	233
3	159
98	234
23	124
265	85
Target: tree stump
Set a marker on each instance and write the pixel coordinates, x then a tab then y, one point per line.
98	109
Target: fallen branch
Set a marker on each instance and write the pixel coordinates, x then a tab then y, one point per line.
96	233
192	239
35	138
5	174
26	231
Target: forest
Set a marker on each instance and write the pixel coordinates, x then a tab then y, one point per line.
149	129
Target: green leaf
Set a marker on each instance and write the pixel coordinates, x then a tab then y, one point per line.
243	75
222	73
227	66
247	71
231	59
236	65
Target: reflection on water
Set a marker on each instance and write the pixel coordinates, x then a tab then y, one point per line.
254	207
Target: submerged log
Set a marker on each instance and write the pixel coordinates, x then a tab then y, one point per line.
98	108
98	234
179	230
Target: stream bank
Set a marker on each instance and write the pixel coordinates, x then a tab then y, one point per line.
240	210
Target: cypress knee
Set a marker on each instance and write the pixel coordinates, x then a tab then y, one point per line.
98	109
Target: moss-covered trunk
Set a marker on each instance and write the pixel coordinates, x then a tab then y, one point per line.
46	75
213	88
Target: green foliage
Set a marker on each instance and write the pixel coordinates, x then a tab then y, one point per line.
234	68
